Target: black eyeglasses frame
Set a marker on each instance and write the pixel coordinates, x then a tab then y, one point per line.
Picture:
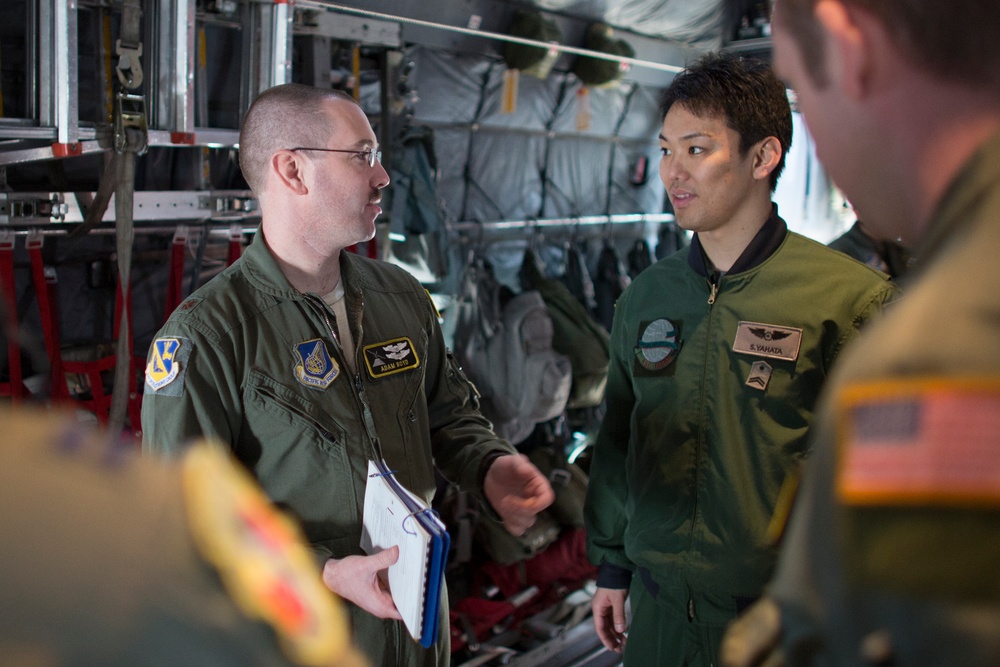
373	155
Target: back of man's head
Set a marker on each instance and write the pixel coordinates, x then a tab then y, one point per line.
742	91
285	116
956	41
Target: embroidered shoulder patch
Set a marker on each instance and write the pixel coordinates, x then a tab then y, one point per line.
167	364
314	367
261	557
658	344
391	357
928	440
768	340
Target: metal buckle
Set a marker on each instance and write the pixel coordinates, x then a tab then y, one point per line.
131	130
560	477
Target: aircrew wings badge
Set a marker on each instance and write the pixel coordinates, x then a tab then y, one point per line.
390	357
314	366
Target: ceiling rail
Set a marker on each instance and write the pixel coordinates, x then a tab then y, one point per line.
553	46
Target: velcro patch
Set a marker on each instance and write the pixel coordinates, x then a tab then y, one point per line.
314	367
768	340
760	375
391	357
167	365
261	557
921	441
658	344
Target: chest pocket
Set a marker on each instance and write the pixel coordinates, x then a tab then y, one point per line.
394	372
398	401
300	456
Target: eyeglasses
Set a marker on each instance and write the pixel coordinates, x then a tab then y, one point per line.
371	155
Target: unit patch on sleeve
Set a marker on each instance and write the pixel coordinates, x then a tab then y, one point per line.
167	364
261	557
920	441
391	357
314	367
768	340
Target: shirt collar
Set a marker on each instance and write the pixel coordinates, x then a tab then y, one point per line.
767	239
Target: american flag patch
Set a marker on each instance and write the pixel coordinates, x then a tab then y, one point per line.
921	441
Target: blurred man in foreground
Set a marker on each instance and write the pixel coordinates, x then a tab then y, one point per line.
892	548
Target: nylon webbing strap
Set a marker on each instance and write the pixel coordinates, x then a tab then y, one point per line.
50	325
105	188
129	46
130	139
15	386
123	381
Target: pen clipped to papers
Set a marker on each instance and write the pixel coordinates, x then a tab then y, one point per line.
396	517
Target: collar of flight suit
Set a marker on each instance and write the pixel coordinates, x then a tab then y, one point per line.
963	197
262	270
764	243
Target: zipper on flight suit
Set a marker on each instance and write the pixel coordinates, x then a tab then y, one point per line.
359	390
713	284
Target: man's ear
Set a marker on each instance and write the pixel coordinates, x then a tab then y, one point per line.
849	49
288	167
766	158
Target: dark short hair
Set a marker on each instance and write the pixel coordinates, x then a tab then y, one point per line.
744	92
958	40
284	116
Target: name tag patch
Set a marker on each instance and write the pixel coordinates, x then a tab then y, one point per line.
920	441
168	363
313	365
768	340
391	357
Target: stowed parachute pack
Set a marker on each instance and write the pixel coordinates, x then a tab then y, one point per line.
504	343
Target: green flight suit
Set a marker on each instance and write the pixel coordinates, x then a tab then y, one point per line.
710	397
100	562
249	360
921	568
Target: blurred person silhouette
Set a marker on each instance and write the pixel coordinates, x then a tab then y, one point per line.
112	559
890	554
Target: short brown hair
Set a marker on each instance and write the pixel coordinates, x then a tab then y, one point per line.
958	40
284	116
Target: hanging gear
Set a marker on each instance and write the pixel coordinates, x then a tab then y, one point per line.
639	258
612	279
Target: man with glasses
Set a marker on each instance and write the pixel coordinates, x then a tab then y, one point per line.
310	361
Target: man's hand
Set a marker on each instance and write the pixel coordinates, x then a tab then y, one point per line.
752	639
517	491
356	578
608	606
